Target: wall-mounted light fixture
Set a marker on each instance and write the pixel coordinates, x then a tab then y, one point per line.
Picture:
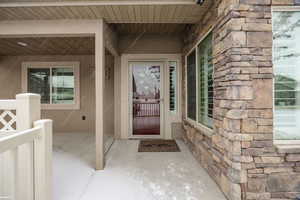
23	44
200	2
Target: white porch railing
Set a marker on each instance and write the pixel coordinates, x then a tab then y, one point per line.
25	150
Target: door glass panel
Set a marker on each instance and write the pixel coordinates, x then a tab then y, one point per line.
146	98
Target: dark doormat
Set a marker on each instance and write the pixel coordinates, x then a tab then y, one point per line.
158	146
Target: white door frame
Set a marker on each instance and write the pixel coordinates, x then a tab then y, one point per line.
169	117
162	96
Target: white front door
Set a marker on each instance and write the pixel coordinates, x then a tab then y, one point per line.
146	99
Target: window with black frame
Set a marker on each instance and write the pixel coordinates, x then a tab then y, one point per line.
205	82
58	83
191	86
55	85
39	83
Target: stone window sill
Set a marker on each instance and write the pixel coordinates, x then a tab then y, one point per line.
201	128
288	148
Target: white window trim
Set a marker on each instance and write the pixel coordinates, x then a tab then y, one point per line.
74	65
282	9
287	142
285	8
205	129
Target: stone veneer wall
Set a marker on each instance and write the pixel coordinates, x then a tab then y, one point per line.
239	153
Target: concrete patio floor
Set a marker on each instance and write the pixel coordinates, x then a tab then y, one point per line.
128	175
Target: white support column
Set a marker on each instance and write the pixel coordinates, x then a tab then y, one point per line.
43	161
99	81
28	111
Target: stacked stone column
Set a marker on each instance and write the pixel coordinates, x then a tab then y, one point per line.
240	154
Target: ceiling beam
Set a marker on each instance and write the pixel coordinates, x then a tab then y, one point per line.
10	4
49	28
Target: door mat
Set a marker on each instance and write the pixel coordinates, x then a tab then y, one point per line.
158	146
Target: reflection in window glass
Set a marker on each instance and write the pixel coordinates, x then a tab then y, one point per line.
205	82
173	81
286	59
191	86
146	88
55	85
63	85
39	83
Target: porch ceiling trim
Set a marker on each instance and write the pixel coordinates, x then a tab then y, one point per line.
32	28
58	28
97	3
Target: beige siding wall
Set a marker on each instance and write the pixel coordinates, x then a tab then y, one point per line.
64	120
150	44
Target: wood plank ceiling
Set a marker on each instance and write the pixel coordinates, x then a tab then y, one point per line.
184	14
146	28
77	45
125	19
105	1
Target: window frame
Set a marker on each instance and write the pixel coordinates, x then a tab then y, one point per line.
206	92
50	65
206	130
273	10
186	89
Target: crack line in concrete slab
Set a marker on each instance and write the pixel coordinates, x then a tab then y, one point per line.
87	185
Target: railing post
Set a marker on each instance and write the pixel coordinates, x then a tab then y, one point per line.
28	111
8	161
8	180
43	161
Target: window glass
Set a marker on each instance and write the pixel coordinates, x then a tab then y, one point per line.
191	86
205	82
55	85
39	83
173	82
63	85
286	59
